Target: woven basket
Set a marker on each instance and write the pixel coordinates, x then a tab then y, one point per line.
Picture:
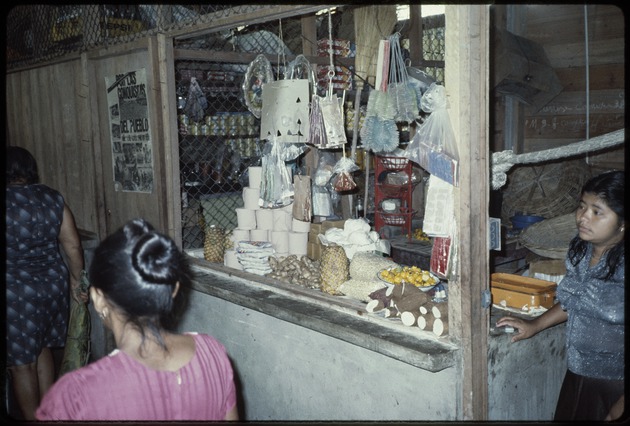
551	237
548	190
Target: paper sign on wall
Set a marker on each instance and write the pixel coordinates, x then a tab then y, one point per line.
132	148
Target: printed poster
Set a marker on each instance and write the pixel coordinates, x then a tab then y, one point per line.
132	150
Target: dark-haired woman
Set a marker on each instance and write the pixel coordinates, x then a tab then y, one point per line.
38	222
154	374
591	299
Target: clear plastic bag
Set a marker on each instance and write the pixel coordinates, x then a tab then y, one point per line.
433	147
400	90
343	180
196	103
276	188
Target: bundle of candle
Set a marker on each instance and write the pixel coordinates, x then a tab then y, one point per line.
254	256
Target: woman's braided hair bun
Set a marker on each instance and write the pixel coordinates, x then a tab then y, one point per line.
154	256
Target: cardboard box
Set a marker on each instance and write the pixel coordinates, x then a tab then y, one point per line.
518	291
314	251
328	224
548	267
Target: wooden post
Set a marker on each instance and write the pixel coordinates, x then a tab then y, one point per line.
467	87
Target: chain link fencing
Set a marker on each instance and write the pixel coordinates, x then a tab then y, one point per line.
216	149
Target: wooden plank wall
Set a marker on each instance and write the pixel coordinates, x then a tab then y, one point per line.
560	29
48	114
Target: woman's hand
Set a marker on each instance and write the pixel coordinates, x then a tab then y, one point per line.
527	328
616	411
76	293
523	329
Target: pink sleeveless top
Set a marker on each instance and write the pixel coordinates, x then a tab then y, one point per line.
117	387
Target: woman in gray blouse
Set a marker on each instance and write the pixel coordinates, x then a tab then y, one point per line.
591	300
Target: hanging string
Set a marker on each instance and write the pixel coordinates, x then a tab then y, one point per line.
588	101
331	69
281	47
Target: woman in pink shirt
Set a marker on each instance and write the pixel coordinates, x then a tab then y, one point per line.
154	374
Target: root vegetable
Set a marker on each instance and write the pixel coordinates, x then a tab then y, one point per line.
375	306
412	301
440	310
425	322
440	327
397	291
381	295
391	312
409	318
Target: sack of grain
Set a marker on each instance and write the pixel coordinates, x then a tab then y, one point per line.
366	265
360	289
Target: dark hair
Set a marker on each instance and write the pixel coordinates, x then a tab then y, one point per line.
137	268
21	166
608	186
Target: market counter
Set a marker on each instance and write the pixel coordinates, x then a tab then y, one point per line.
300	354
336	316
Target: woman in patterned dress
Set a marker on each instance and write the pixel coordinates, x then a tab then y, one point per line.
37	222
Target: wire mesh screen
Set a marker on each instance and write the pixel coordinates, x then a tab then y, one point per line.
218	145
217	149
38	33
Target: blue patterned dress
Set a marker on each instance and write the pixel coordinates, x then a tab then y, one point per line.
36	275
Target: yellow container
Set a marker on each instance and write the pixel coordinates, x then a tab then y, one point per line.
518	291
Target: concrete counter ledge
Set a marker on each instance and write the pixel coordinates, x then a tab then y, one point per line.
335	316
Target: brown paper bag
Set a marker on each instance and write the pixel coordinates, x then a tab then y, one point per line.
302	209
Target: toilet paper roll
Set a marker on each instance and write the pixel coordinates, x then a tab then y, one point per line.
239	235
246	218
250	198
280	241
259	234
231	260
300	226
282	220
264	219
298	243
255	176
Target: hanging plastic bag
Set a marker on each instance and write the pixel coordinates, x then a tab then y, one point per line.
196	103
403	94
302	202
332	114
379	132
317	134
300	68
433	147
285	111
322	201
259	72
276	187
343	180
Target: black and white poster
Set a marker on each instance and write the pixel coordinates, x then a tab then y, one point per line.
132	150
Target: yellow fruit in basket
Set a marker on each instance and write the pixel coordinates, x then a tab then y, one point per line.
408	274
419	234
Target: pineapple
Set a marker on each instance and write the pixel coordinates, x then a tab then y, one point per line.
335	269
214	244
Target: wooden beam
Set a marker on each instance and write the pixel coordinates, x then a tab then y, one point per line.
467	87
227	19
245	58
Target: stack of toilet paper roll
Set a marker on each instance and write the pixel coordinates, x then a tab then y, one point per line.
277	226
